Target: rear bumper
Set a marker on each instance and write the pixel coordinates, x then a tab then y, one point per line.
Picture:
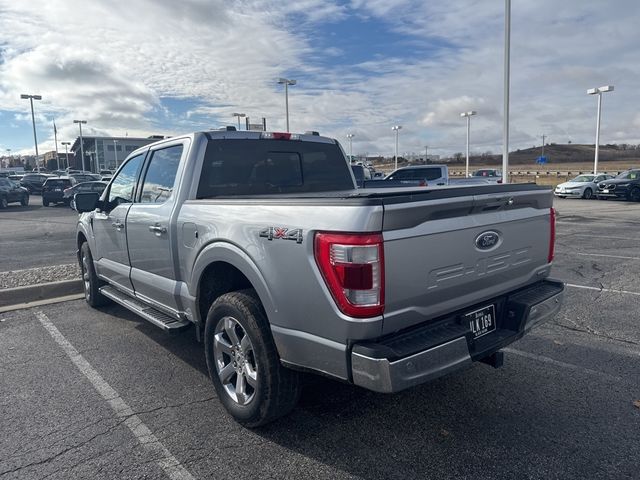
427	352
572	193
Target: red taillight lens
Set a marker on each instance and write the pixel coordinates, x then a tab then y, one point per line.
552	234
352	266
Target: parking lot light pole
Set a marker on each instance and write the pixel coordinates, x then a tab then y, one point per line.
350	137
506	87
468	115
239	115
80	122
286	82
598	91
115	151
66	151
33	120
397	130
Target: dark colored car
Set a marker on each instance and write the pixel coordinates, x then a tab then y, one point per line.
11	191
53	190
33	182
85	187
626	185
83	177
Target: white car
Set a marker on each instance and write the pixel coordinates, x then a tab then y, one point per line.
583	186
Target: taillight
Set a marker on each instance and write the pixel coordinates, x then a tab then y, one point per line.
279	136
352	266
552	234
66	190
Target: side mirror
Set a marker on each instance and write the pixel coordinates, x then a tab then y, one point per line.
86	202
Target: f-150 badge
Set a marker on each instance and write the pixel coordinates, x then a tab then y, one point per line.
279	233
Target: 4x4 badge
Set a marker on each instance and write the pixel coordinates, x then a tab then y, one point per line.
282	234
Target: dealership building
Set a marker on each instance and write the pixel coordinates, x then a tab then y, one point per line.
106	153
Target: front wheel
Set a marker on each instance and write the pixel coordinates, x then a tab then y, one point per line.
588	193
243	361
90	280
3	202
45	202
24	201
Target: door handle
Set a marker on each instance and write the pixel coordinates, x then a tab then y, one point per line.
118	225
157	229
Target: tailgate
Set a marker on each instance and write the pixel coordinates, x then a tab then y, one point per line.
446	254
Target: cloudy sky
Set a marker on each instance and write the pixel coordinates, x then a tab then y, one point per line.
142	67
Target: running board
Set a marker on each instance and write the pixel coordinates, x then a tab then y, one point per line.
153	315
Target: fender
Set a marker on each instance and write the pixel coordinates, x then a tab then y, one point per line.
220	251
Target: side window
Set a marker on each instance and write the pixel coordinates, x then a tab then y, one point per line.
161	175
124	184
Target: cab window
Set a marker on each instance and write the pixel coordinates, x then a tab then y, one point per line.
123	185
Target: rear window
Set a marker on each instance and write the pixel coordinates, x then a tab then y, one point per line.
417	174
57	182
258	167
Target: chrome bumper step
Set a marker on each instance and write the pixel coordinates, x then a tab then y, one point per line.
153	315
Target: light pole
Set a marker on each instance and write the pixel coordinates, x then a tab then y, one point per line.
507	71
80	122
239	115
397	130
286	83
426	154
66	151
598	91
115	151
8	155
33	120
350	137
543	139
468	115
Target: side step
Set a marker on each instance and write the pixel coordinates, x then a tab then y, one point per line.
153	315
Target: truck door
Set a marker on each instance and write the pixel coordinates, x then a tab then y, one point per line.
150	236
109	227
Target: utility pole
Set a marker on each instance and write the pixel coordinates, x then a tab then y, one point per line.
543	137
426	154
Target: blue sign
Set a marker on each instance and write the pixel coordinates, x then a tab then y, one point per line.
541	160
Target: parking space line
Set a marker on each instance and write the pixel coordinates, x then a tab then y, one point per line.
599	237
608	256
165	459
608	290
558	363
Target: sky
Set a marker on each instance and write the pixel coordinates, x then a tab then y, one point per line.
143	67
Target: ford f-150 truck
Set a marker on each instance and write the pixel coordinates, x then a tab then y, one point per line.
262	241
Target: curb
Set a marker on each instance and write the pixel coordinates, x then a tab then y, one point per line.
41	291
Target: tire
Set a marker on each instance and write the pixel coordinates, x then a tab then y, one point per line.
4	203
243	361
634	195
91	282
45	202
24	201
588	194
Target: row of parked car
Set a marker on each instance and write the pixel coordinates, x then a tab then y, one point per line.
625	185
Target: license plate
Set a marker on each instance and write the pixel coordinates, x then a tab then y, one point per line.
605	191
481	321
58	190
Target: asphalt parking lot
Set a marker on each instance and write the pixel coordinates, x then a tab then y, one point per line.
103	394
36	236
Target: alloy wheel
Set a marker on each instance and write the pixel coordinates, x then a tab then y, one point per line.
85	277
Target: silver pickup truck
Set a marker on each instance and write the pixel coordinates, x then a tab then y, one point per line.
262	242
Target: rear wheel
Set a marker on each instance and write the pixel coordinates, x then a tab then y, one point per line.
3	202
45	202
634	194
588	193
24	201
90	280
243	362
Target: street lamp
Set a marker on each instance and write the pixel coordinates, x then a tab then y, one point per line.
66	151
598	91
468	115
115	150
426	154
286	83
33	120
507	73
397	130
350	137
80	122
239	115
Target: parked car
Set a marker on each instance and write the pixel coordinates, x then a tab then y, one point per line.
11	191
84	177
53	190
106	178
377	176
33	182
421	175
583	186
106	173
69	193
361	174
492	175
626	185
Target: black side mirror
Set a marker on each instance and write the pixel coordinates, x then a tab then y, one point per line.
86	202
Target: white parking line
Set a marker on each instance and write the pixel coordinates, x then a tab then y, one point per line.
164	458
608	256
599	237
609	290
557	363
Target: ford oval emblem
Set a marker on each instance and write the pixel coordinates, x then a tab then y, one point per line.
487	240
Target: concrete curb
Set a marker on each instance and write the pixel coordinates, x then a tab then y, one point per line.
41	291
